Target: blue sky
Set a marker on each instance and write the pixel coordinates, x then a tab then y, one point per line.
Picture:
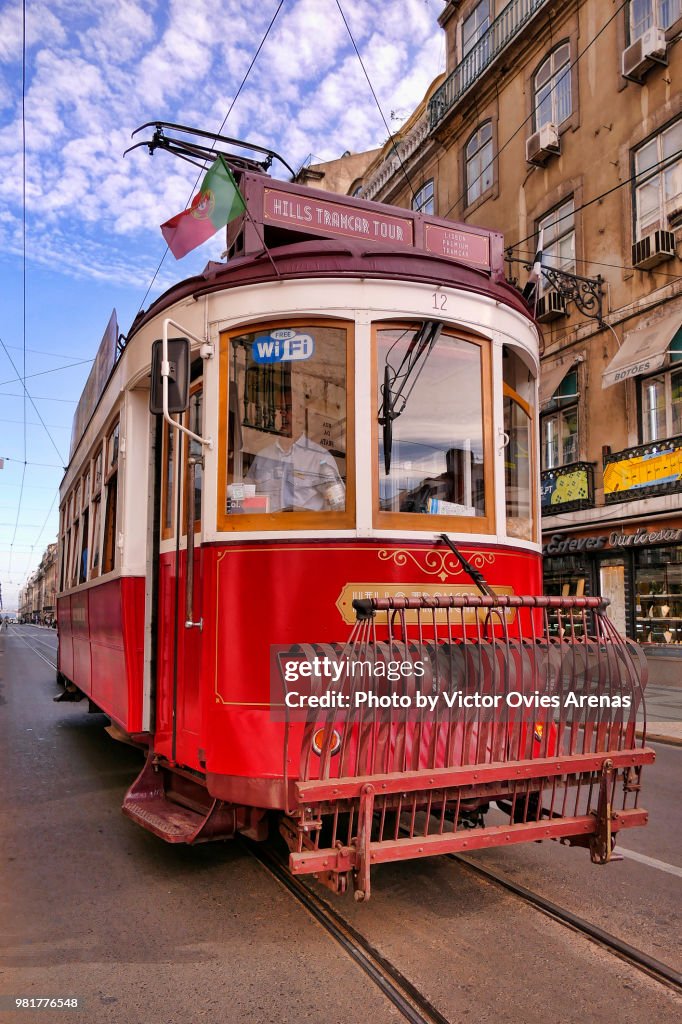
96	71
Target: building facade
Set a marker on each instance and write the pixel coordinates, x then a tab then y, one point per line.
38	598
561	121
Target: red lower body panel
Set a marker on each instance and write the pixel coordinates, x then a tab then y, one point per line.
101	644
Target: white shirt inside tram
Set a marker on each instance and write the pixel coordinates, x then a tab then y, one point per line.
302	475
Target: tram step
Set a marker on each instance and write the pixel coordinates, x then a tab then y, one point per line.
165	819
176	809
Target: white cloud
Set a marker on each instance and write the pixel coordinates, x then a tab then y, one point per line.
95	72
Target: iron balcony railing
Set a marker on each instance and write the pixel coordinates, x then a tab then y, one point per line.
644	471
567	488
503	29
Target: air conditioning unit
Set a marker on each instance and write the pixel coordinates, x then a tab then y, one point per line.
543	144
653	249
551	306
646	51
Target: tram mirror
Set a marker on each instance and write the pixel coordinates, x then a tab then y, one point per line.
178	380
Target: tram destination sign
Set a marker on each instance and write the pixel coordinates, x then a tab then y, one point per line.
321	215
312	212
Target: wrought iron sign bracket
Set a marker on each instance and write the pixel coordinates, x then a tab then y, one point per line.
586	292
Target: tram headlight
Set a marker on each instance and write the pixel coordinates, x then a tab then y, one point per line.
319	739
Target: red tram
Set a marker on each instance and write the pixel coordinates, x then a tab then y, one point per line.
354	473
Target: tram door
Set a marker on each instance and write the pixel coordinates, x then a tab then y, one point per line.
178	708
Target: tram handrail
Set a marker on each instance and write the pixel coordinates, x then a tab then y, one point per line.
165	374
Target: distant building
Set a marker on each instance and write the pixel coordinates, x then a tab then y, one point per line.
38	598
564	118
343	175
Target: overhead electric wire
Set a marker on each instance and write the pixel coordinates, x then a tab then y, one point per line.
43	373
599	263
661	165
37	412
23	267
376	100
43	352
532	113
234	100
38	398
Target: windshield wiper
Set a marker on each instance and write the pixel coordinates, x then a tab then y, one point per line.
477	577
393	394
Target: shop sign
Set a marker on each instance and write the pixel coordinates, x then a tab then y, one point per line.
562	545
662	465
561	488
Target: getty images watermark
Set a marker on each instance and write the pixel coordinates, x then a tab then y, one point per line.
391	683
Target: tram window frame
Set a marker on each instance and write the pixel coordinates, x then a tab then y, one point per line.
169	458
426	521
285	522
196	428
76	535
112	451
96	511
63	553
84	545
509	392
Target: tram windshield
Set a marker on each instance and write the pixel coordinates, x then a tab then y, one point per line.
436	464
287	421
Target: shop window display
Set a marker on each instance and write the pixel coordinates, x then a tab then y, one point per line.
658	589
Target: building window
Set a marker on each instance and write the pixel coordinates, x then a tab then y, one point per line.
423	201
658	181
479	162
552	88
662	398
646	14
560	425
558	239
475	26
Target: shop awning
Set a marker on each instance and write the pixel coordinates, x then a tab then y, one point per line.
642	351
551	378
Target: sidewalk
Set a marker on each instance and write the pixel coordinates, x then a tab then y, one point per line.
664	708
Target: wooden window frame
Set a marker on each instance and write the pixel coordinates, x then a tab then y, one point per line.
286	522
168	530
110	480
509	392
424	521
197	385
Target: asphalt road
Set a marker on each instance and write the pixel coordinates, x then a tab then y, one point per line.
140	931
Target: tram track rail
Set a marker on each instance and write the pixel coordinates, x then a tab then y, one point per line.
15	633
656	969
398	989
411	1003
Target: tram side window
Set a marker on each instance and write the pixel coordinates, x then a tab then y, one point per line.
111	487
85	531
96	514
436	459
168	487
287	421
518	392
75	537
65	536
195	424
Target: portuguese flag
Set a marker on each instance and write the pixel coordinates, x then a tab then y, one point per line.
217	202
